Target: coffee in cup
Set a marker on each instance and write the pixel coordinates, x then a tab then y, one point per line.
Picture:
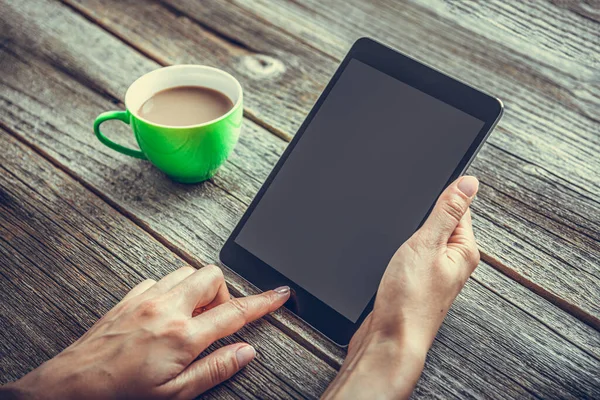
185	105
186	120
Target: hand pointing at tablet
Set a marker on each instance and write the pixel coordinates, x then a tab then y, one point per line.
147	345
387	354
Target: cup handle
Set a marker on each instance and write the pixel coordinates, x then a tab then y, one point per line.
121	116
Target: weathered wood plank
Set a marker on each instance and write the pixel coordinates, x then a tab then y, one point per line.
72	252
538	213
270	143
33	78
521	75
545	30
204	228
255	167
38	202
587	9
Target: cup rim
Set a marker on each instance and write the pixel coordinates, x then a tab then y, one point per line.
185	66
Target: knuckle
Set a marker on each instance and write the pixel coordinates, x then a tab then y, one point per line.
178	331
465	254
266	303
122	308
218	370
215	271
470	255
240	306
454	208
148	309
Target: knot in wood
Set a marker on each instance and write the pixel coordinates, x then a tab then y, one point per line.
260	66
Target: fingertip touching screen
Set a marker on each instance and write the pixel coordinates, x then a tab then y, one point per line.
357	185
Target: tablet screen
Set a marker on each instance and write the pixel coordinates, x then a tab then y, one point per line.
359	182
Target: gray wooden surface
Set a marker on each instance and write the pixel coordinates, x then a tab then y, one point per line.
79	224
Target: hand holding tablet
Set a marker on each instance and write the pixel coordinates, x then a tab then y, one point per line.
387	354
382	142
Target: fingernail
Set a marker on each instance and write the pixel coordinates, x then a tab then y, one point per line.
244	355
468	185
282	290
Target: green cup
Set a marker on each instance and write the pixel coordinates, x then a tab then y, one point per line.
187	154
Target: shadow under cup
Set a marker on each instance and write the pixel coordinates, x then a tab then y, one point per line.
187	154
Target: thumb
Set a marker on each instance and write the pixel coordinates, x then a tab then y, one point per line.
215	368
452	204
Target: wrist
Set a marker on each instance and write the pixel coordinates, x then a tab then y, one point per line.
382	368
402	358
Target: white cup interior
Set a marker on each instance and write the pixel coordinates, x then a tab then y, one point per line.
181	75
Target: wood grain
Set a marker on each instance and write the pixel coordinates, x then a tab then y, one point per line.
537	216
46	71
39	203
66	249
198	218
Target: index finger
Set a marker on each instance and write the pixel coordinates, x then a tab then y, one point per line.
231	316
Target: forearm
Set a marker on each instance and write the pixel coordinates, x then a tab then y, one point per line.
384	370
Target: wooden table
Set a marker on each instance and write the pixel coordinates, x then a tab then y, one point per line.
81	224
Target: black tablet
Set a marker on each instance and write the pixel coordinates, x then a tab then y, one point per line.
381	143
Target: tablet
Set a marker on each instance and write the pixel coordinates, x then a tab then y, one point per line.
381	143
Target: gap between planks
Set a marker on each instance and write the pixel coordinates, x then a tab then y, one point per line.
192	261
261	19
504	269
40	152
184	255
77	73
226	40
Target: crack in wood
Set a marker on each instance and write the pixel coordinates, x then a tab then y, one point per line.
285	385
282	31
582	188
77	211
549	232
564	305
19	289
63	160
494	262
268	127
473	355
532	315
51	278
184	255
237	45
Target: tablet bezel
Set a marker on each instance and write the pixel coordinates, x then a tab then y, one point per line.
412	72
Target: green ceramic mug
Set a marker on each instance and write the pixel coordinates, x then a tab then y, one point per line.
186	154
